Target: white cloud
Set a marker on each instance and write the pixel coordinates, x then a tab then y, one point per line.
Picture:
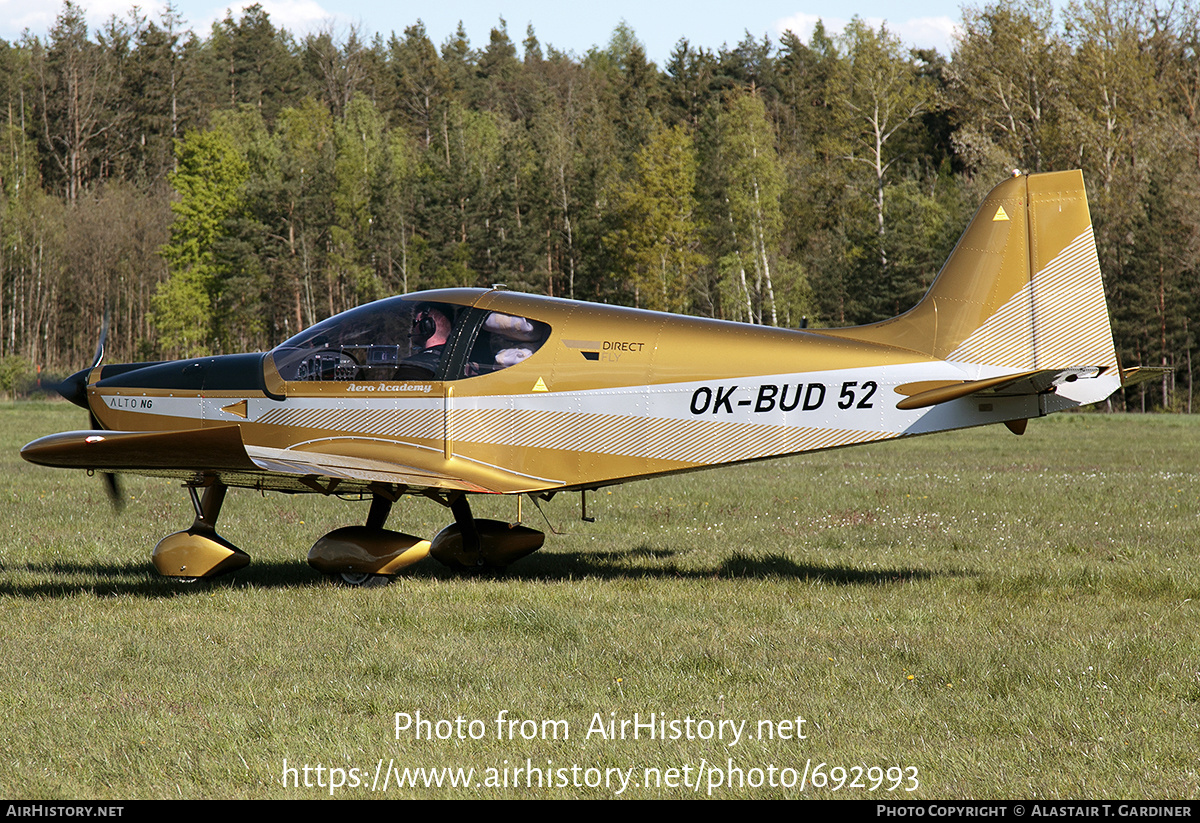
39	15
920	32
99	11
802	25
299	17
928	32
35	15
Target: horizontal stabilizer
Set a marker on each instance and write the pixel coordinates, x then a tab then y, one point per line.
1135	375
1023	384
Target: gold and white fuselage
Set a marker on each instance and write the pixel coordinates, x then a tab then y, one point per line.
533	394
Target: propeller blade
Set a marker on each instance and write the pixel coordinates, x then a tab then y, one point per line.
74	389
103	337
112	485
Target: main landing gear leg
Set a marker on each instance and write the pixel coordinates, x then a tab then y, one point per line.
381	507
200	551
208	509
367	555
468	529
471	545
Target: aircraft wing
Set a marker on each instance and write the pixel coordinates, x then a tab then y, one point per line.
931	393
214	449
192	455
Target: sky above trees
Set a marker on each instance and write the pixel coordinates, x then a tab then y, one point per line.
569	27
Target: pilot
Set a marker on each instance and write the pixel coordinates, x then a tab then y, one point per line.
430	331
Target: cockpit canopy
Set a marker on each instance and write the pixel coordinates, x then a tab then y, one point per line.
407	338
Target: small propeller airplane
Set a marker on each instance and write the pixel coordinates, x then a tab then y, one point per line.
456	392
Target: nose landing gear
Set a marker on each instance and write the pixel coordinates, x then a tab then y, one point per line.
200	551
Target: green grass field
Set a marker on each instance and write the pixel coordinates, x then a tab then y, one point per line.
988	616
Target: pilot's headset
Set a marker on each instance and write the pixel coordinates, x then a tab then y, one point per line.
423	326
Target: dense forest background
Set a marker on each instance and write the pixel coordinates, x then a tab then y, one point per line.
220	193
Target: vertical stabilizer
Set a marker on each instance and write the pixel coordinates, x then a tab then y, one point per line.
1021	290
1058	318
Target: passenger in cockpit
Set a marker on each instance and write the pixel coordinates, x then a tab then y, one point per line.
512	338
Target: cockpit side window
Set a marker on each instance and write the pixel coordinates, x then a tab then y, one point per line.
503	340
